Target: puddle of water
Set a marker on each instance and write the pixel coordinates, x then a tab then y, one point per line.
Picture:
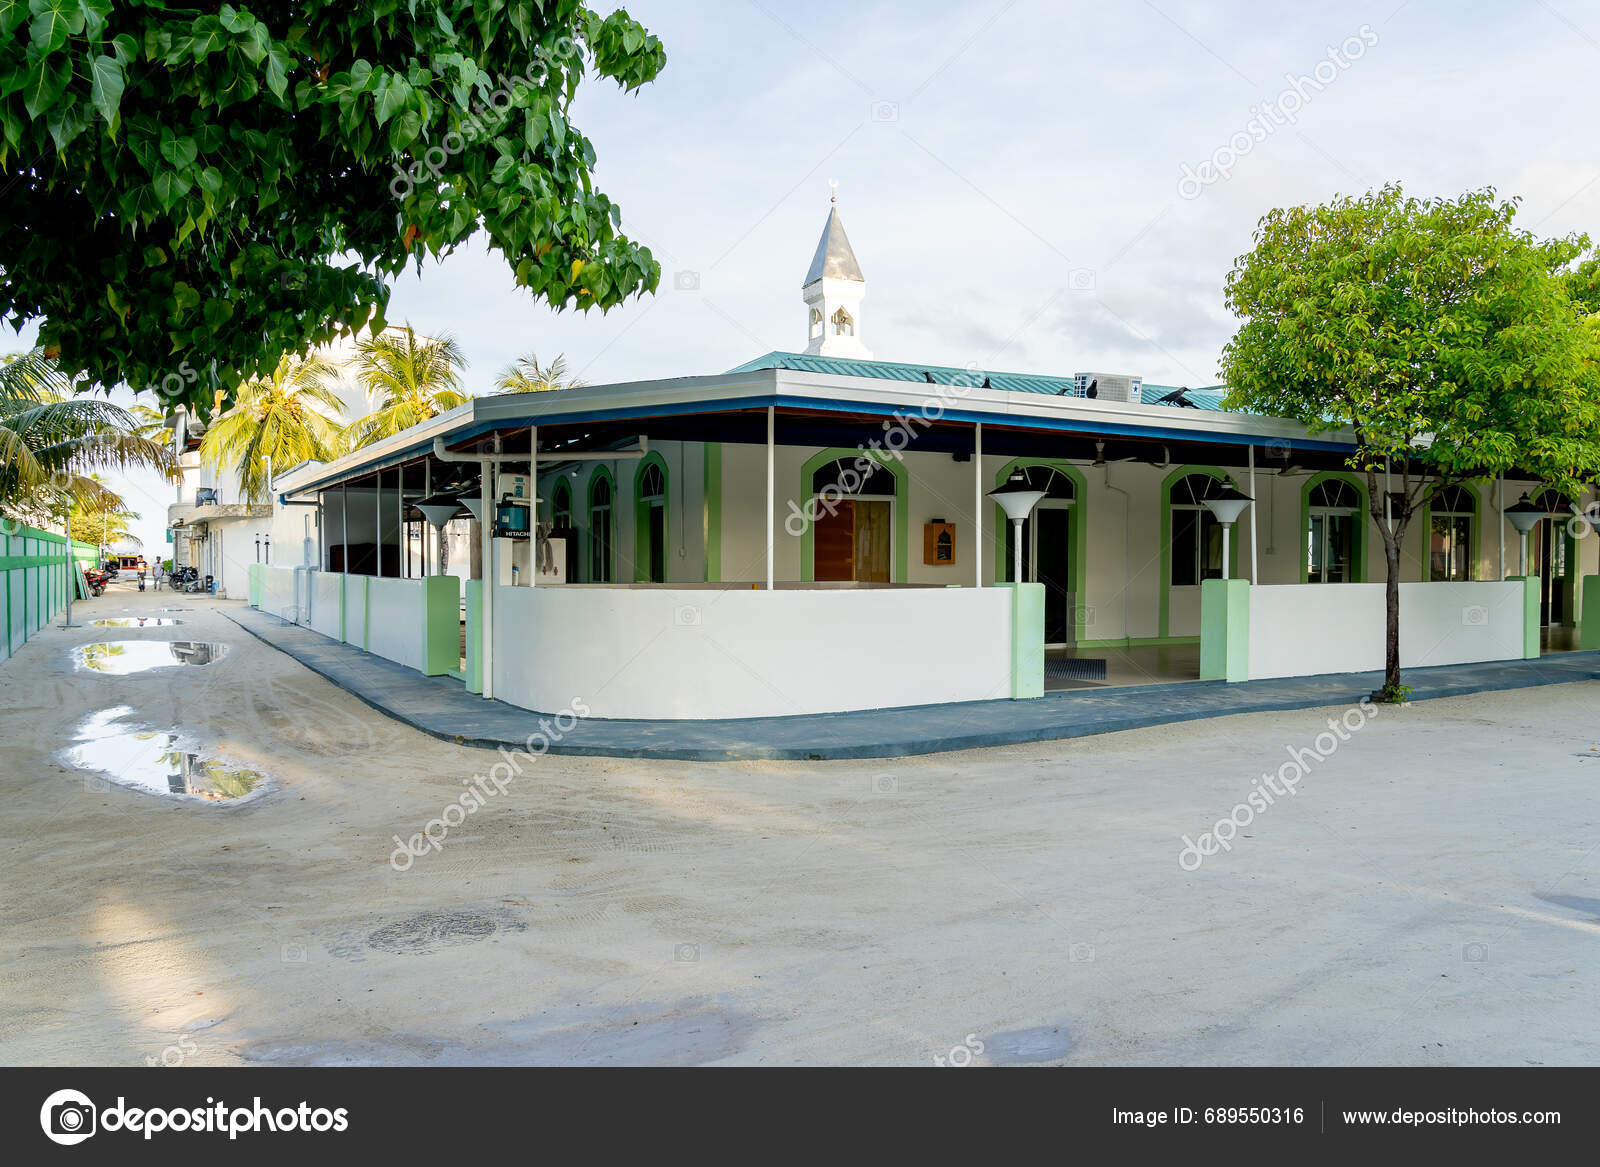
155	761
135	622
122	657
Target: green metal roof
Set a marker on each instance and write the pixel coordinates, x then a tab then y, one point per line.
1208	398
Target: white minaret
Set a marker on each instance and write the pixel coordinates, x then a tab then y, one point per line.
833	291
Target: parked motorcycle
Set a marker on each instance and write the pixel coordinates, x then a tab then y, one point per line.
96	581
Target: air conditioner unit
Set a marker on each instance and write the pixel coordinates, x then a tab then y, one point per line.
1108	386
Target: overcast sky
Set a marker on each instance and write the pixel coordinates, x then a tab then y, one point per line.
1009	171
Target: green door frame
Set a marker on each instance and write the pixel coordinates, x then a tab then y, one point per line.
1164	617
1474	544
600	471
890	463
1077	531
641	527
1363	519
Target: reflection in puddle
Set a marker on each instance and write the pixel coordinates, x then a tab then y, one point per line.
121	657
154	761
135	622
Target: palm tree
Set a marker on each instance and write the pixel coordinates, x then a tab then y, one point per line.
281	418
408	380
527	375
103	526
51	440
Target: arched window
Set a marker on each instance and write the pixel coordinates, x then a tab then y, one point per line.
1451	512
814	322
851	476
1196	535
652	484
1332	507
561	505
600	528
650	522
843	325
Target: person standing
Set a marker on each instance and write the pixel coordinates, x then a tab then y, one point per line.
155	575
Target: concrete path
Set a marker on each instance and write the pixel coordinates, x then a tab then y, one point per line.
441	706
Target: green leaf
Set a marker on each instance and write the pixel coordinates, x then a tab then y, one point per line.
106	86
181	152
277	72
235	21
95	15
170	186
65	122
53	21
393	93
12	14
46	81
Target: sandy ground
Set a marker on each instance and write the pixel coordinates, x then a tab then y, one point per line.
1429	896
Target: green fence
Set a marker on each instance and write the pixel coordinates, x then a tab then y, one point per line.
34	564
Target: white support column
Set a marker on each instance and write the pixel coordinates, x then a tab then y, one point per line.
427	491
977	505
772	438
1255	578
533	506
487	584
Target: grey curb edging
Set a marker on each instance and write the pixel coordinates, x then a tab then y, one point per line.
1245	697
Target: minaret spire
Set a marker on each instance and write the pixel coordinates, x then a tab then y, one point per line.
833	290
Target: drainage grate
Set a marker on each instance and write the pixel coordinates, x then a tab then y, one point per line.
1075	668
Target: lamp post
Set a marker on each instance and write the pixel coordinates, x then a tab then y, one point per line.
439	509
1227	506
1017	498
1524	517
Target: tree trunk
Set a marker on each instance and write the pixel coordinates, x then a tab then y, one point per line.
1391	604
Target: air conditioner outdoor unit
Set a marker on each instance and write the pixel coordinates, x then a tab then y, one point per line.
1108	386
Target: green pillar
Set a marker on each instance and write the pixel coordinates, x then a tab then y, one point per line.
1225	630
1530	614
1027	640
473	593
441	624
1589	621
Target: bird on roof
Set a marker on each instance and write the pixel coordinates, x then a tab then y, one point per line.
1178	397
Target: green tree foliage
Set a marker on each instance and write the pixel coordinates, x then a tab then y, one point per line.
103	524
1454	345
287	418
52	441
408	380
221	187
527	375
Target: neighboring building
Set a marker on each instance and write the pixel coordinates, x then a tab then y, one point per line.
812	532
213	526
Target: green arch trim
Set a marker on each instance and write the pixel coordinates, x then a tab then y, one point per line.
641	529
600	471
556	490
902	519
1475	544
1077	531
1164	620
1358	553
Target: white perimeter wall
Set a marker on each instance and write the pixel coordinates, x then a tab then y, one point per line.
680	653
1305	630
324	615
394	620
